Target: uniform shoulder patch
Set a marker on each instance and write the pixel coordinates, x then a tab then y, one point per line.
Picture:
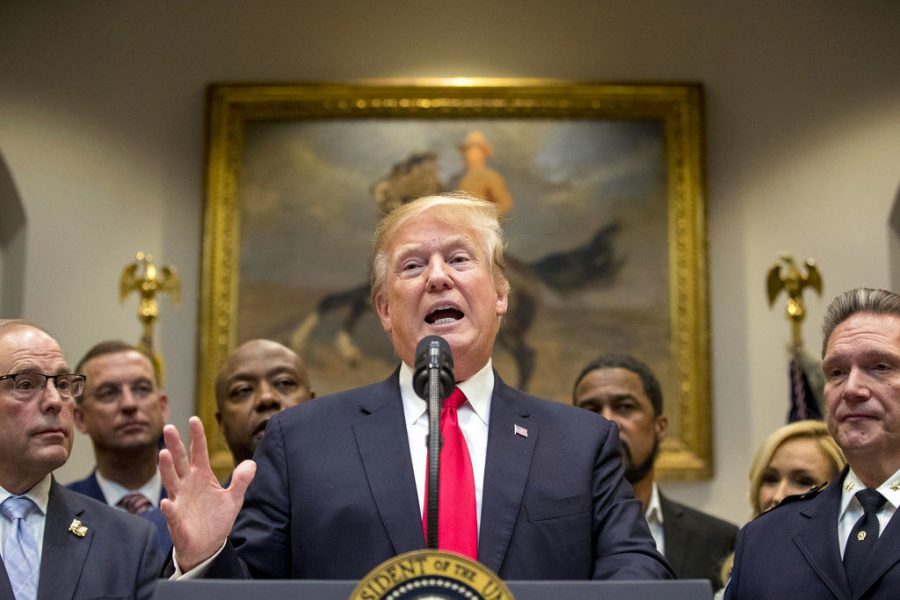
812	493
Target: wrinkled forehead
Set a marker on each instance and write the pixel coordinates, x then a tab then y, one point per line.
24	345
436	226
865	331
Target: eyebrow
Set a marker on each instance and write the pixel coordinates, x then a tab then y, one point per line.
451	242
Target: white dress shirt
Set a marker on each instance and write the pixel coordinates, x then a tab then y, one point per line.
474	417
35	521
113	492
654	517
851	510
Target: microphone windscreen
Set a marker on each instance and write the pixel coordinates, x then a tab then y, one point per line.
423	362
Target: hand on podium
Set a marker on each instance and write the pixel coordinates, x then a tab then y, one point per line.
199	511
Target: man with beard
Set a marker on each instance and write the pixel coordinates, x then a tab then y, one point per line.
625	390
123	411
259	379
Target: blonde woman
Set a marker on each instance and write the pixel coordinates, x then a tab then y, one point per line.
793	460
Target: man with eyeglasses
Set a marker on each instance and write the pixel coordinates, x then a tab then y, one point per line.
123	411
56	543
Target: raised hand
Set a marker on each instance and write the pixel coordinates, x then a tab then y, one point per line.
199	511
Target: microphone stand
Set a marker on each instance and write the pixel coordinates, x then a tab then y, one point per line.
434	444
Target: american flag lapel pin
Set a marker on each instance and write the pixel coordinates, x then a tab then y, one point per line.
519	430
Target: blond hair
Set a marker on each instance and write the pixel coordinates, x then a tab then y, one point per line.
458	209
808	429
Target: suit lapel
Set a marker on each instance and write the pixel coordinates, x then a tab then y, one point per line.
505	473
817	539
64	552
384	449
675	534
6	592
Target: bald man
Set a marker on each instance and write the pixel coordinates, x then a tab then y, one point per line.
259	379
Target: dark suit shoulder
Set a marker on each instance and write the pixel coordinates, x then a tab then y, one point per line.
793	504
87	486
566	414
709	524
341	404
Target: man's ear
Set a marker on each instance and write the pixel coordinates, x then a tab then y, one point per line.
79	419
383	309
164	404
662	427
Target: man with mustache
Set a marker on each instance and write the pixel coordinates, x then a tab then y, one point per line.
842	542
625	390
123	411
57	543
258	380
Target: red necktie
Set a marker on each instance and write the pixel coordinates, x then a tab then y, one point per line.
457	520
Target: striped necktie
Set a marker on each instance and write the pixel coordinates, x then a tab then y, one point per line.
135	503
20	551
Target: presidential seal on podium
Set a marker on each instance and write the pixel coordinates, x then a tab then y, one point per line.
431	575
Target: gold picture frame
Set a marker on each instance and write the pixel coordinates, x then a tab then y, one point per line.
257	134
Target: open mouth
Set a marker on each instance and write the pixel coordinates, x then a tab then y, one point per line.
260	429
443	315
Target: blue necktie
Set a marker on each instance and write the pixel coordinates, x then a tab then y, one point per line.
20	552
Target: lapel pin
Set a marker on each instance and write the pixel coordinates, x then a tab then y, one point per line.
895	487
519	430
77	529
849	486
861	536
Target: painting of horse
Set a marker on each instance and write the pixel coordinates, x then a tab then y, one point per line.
584	210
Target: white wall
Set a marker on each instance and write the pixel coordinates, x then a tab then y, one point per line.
101	127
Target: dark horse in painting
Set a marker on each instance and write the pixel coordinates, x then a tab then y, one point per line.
594	261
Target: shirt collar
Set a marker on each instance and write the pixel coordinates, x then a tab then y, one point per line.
654	508
113	492
478	390
890	489
39	493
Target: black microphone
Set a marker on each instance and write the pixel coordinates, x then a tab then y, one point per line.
433	352
433	381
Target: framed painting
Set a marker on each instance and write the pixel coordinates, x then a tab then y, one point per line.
601	191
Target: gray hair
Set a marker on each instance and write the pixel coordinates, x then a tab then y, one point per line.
868	300
458	209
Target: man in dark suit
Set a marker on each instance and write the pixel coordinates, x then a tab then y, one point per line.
56	544
341	480
123	411
625	390
844	542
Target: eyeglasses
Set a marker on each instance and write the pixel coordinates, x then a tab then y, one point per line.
25	386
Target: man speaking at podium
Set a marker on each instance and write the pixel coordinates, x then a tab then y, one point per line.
538	490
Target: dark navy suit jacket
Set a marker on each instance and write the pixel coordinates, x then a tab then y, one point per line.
335	495
696	543
793	552
118	558
89	487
